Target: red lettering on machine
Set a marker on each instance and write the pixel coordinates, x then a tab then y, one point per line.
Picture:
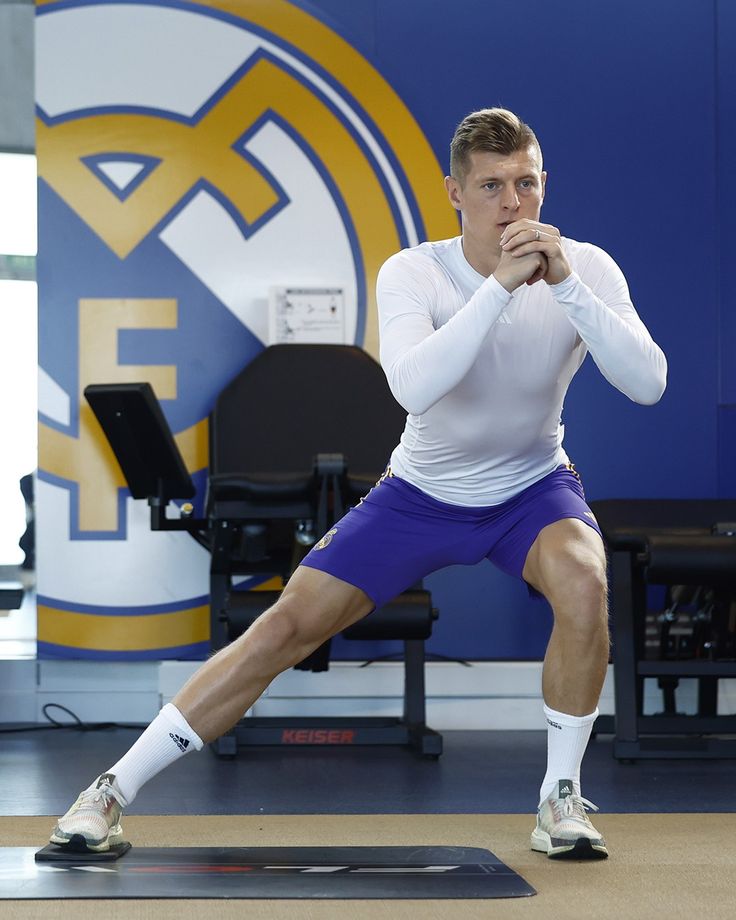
317	736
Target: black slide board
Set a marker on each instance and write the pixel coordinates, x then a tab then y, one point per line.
419	872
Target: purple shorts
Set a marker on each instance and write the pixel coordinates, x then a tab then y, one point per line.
398	534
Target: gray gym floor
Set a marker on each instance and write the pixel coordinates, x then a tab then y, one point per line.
481	772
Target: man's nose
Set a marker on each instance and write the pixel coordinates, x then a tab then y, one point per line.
510	198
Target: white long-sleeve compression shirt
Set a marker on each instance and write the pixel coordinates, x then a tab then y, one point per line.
483	373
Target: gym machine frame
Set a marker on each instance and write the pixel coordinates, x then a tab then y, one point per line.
139	435
665	542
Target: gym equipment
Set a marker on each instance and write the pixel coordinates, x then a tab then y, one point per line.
72	853
11	595
418	872
678	543
285	463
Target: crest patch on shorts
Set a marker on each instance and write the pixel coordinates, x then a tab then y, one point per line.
326	540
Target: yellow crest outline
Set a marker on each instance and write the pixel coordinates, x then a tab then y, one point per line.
122	223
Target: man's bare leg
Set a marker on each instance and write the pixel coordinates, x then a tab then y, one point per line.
313	607
567	564
571	573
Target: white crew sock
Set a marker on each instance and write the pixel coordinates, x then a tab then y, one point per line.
166	739
567	739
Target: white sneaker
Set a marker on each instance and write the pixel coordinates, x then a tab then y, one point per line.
93	821
563	828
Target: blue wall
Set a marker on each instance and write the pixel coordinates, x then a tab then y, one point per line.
726	239
635	109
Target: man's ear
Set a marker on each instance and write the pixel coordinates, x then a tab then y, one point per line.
452	186
544	183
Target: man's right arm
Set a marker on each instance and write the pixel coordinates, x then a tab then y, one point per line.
423	364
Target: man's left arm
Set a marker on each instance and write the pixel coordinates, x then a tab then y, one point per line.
601	312
617	339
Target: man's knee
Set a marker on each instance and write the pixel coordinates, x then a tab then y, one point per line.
315	606
579	584
567	564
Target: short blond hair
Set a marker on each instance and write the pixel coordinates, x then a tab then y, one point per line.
493	130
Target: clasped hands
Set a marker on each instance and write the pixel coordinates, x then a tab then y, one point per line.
531	252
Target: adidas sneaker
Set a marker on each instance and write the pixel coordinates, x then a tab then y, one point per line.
564	830
93	821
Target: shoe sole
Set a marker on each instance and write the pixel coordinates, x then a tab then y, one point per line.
80	844
582	848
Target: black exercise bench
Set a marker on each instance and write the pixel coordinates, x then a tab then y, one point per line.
666	542
287	457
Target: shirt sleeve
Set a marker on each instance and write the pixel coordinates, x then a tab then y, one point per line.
610	327
423	364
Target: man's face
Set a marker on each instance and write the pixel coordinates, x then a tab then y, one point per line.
499	188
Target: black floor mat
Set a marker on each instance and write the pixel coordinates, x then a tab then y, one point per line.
263	872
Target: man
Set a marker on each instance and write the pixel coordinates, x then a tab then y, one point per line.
480	338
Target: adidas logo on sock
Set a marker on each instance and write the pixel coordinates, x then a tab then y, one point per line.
181	743
565	789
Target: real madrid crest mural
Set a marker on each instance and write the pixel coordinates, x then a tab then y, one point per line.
191	157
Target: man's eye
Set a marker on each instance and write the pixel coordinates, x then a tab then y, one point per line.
491	186
526	183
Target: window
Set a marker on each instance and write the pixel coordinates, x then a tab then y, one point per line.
18	345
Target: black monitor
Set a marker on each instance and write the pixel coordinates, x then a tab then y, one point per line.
141	440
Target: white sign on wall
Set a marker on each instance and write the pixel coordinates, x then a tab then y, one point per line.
307	315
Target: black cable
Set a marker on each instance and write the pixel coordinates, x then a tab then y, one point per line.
77	724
